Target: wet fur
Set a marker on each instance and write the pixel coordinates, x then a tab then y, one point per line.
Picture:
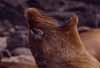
60	47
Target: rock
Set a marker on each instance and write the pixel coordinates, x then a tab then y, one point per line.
14	32
16	65
24	59
21	51
88	11
3	42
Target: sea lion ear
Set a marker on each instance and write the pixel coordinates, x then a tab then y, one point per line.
72	23
36	17
32	14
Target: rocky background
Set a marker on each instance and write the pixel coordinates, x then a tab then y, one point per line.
13	25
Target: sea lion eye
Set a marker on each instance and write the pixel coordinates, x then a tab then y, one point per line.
37	33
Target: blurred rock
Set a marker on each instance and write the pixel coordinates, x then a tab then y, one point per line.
20	59
3	42
16	65
14	32
87	10
21	51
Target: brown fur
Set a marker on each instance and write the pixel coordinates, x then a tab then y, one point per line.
91	40
60	47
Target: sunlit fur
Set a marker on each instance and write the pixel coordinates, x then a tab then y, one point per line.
90	38
60	47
